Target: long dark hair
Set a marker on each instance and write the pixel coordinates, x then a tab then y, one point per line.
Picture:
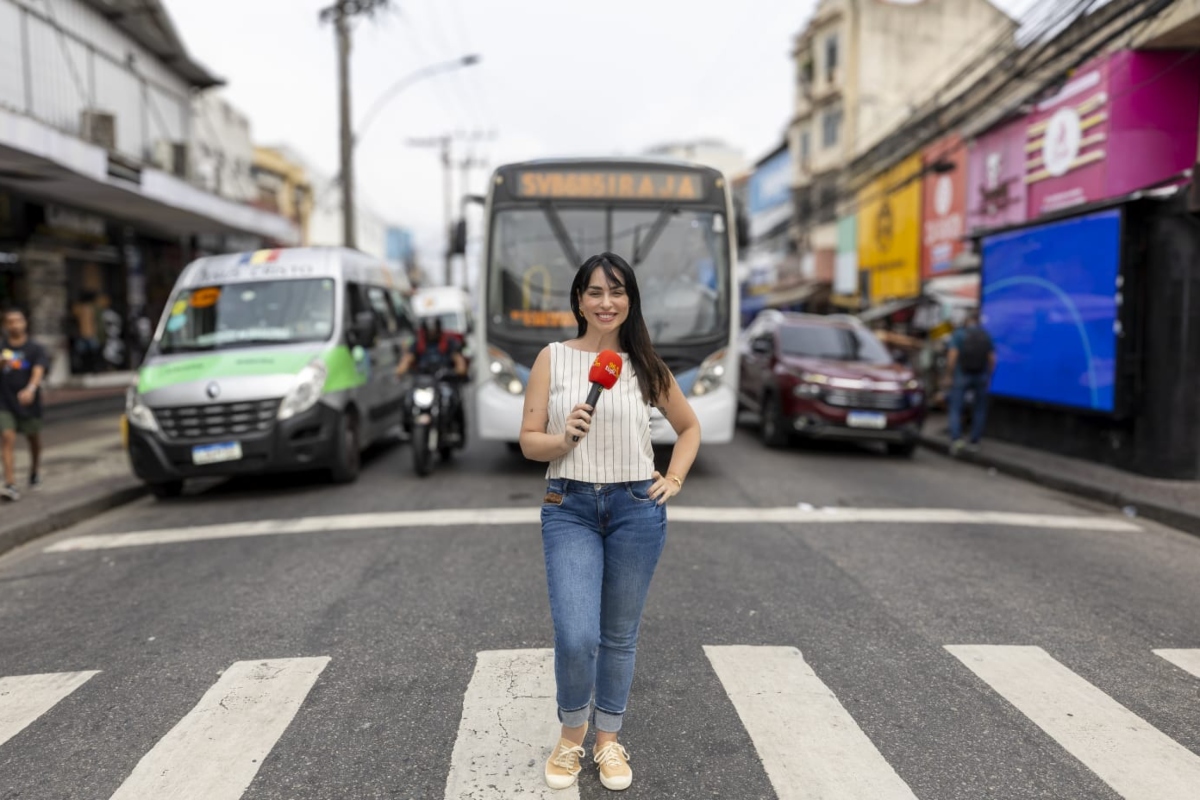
654	379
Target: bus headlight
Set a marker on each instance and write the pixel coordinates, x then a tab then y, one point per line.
307	391
139	414
504	371
710	375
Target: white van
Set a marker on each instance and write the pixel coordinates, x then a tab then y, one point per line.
269	361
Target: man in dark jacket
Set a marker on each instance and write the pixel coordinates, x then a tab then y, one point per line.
23	365
972	361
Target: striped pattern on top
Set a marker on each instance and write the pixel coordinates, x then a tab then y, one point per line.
617	449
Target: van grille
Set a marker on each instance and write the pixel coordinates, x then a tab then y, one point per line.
875	401
219	419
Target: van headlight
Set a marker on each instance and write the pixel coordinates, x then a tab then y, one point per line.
710	375
137	412
504	371
307	391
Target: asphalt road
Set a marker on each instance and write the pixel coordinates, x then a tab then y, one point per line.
871	601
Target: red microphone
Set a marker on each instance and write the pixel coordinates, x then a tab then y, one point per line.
603	375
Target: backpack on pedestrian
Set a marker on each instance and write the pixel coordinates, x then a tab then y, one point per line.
974	354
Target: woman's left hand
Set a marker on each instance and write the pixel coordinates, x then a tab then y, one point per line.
663	488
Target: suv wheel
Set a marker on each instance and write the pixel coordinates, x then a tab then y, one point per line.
774	429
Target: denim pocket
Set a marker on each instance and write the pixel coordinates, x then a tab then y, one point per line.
640	491
555	493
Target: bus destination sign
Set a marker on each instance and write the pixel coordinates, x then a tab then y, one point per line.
610	185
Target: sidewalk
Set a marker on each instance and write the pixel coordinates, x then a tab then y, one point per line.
84	472
1173	503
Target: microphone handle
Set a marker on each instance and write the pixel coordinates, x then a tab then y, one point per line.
592	397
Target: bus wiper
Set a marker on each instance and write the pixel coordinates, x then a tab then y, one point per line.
560	233
660	224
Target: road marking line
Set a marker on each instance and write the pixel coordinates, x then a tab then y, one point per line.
496	517
24	698
1137	760
507	730
1186	660
217	748
809	744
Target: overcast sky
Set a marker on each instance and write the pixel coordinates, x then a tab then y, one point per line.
556	77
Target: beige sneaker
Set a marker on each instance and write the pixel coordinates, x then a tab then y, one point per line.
563	767
613	760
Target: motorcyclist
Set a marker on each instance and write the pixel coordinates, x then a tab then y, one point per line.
437	353
433	351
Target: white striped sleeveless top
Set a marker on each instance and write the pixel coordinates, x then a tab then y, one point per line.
617	448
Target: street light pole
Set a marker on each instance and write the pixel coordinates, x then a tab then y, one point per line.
342	24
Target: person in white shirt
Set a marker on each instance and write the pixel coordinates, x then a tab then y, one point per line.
604	519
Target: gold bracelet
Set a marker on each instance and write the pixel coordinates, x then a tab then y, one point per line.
678	482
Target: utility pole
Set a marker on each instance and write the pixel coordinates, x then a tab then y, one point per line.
341	12
443	143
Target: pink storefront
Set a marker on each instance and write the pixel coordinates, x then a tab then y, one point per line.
1124	122
996	178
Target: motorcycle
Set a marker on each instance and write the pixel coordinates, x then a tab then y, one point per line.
437	419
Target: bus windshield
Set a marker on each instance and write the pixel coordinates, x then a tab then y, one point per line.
680	256
233	315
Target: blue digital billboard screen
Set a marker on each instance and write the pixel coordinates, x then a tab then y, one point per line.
1049	301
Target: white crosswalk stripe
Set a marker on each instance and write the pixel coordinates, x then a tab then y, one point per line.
507	730
1126	752
215	751
1186	660
24	698
809	744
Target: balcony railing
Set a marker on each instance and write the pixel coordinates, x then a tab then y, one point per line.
57	77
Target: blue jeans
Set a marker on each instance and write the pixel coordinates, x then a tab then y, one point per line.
964	382
602	542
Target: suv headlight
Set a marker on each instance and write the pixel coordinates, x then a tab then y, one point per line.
504	371
811	384
137	412
307	391
710	375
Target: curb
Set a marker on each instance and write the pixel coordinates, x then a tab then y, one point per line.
17	535
79	409
1167	515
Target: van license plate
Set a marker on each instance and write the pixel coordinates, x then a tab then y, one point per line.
216	453
866	419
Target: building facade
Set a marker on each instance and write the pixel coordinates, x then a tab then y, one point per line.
99	208
861	66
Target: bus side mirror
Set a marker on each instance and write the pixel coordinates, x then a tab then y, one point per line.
742	222
365	329
458	239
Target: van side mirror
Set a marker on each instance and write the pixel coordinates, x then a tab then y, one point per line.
365	329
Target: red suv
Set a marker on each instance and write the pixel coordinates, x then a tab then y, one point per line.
827	378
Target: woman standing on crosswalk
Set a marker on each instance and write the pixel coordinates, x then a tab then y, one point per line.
604	518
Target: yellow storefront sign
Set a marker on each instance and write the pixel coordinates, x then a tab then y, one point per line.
889	232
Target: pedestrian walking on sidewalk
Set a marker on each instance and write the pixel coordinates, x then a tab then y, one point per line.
604	519
22	366
972	360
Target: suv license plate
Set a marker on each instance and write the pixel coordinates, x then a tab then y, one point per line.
216	453
865	419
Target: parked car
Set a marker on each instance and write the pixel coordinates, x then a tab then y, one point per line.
827	378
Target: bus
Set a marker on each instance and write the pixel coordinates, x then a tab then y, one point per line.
672	221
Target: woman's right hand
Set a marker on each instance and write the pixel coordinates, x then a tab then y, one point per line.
579	421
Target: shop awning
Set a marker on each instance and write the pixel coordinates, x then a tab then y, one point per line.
45	163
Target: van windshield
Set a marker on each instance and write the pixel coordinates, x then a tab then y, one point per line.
228	316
